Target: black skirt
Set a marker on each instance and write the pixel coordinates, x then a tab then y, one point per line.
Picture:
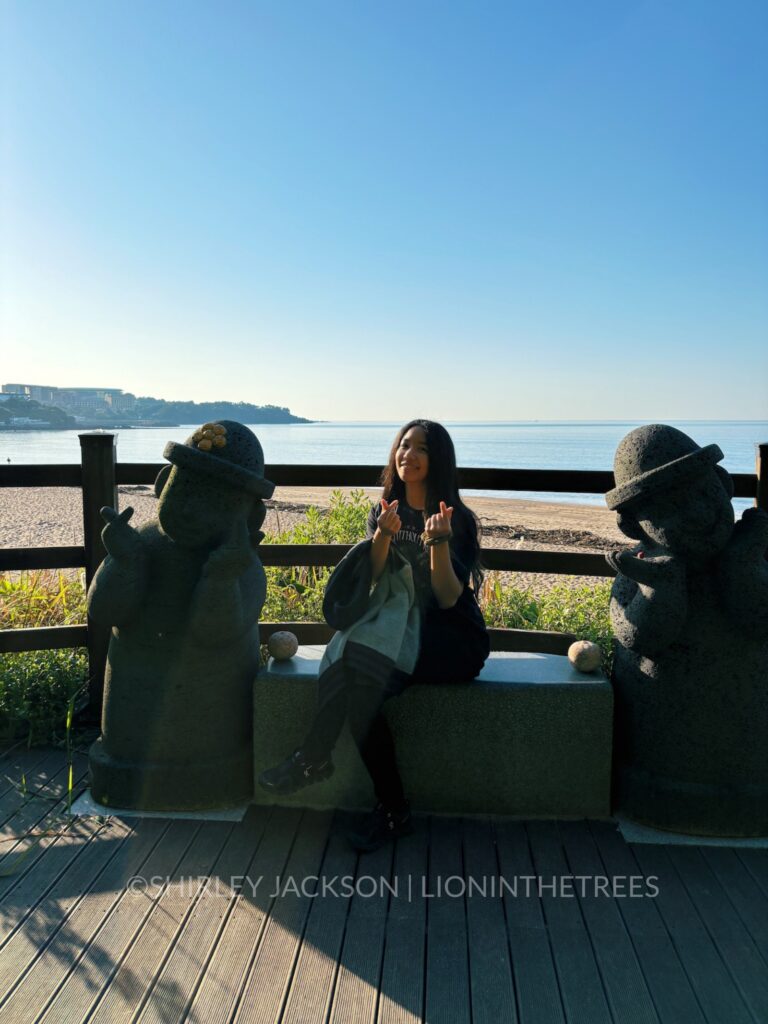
454	646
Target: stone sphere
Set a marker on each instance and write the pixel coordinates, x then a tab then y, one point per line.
585	656
283	645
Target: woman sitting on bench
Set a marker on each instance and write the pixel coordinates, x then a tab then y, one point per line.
422	515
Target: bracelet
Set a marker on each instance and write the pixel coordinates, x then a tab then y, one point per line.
386	532
437	540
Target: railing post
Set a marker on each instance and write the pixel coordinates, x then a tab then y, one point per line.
97	453
761	468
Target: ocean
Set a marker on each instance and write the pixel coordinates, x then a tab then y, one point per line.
519	445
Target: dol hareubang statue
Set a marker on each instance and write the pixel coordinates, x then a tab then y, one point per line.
689	609
183	594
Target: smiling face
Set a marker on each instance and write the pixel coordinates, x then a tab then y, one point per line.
412	456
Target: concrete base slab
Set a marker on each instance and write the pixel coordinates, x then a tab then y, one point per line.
633	832
86	807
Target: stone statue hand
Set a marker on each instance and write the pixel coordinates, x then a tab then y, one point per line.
122	542
749	540
742	571
233	557
656	571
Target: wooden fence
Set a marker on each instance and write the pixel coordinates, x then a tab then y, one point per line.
99	475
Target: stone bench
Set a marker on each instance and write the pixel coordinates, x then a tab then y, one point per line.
530	737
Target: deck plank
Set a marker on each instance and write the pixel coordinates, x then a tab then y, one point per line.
581	984
178	980
490	970
748	898
20	787
715	990
174	900
756	862
44	885
734	943
61	953
30	933
222	983
106	952
670	987
357	982
44	784
535	976
401	993
447	995
311	991
269	977
626	988
18	763
77	942
37	824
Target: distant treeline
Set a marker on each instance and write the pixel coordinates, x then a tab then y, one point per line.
29	409
200	412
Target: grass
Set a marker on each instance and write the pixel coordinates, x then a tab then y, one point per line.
36	687
39	689
45	597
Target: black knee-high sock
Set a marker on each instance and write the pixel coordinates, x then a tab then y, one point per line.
374	741
326	727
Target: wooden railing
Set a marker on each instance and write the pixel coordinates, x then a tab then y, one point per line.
99	475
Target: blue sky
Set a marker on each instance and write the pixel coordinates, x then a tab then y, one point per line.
375	211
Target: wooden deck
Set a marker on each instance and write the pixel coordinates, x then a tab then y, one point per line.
202	939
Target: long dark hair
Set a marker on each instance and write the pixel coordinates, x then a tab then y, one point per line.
442	485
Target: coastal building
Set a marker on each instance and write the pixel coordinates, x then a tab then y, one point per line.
88	402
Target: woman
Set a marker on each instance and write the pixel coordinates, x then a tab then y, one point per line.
423	516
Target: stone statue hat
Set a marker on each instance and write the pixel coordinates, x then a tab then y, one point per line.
226	450
654	458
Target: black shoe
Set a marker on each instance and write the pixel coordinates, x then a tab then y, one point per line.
294	773
381	825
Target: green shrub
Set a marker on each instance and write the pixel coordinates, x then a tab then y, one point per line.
581	610
295	593
36	688
507	607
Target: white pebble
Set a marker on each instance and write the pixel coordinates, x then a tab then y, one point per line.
585	656
283	645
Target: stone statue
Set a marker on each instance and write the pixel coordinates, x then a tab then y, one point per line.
689	609
183	594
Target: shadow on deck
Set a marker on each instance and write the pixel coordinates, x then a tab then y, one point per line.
275	918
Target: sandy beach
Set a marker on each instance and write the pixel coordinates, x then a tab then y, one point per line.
52	516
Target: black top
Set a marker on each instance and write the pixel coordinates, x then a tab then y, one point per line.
454	641
409	543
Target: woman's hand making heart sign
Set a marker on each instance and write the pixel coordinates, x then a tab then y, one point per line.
439	525
388	521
